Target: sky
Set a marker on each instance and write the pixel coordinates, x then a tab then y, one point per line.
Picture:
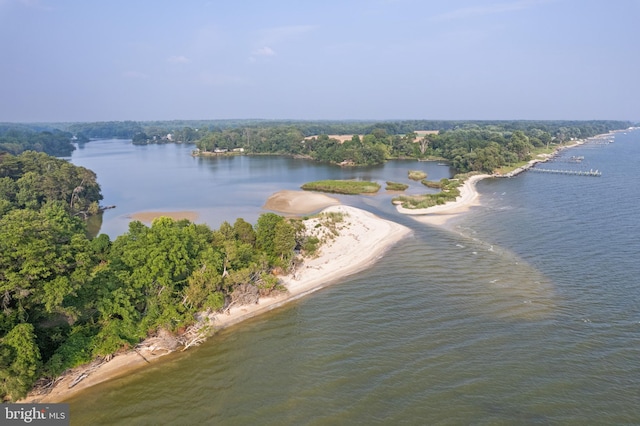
79	60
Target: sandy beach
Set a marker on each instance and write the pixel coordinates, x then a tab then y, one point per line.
440	215
148	217
362	239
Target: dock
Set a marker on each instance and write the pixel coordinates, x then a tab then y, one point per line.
592	172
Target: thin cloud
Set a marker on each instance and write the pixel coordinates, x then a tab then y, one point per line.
264	51
490	9
276	36
178	59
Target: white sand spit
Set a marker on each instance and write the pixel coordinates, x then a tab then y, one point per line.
362	238
440	215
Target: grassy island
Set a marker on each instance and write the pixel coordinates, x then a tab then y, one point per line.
396	186
350	187
449	192
417	175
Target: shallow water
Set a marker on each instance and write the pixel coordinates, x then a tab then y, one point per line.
527	311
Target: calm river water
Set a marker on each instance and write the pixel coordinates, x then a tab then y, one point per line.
525	311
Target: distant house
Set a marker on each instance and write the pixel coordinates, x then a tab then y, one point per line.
238	149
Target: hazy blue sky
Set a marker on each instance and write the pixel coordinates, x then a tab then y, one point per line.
81	60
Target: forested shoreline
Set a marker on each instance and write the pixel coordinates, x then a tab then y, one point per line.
67	298
15	140
468	146
474	145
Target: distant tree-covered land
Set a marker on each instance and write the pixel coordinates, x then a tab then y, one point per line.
468	145
107	129
15	140
66	299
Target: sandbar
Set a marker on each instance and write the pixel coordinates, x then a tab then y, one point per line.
362	239
148	217
298	202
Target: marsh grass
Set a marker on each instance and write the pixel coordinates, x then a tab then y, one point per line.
350	187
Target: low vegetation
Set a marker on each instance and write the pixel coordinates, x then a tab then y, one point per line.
449	192
417	175
350	187
431	184
396	186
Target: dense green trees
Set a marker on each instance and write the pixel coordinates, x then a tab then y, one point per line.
65	299
107	129
53	142
31	180
470	146
457	141
484	149
372	149
19	361
45	261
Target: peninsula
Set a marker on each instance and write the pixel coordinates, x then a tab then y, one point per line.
359	241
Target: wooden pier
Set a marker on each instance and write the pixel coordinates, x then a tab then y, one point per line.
595	173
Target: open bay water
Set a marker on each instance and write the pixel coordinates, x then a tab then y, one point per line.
524	311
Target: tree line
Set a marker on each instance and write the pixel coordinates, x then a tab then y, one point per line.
33	179
67	298
15	140
468	146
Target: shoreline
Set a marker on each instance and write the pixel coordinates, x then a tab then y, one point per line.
358	245
440	215
469	196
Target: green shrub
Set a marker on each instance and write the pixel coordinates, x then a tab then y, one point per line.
76	350
349	187
311	245
431	184
417	175
396	186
